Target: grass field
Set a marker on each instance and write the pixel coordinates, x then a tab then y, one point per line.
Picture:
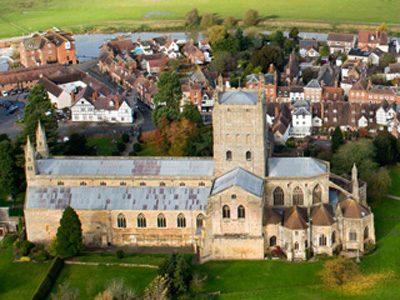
22	16
104	146
19	280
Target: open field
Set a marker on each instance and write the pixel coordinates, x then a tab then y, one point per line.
23	16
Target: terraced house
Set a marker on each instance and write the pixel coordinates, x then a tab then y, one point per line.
239	204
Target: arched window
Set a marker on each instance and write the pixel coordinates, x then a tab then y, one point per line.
83	183
322	240
279	196
181	221
202	184
122	183
333	239
162	183
248	156
228	155
298	196
161	222
200	221
241	212
317	192
182	184
60	183
141	221
296	246
142	184
103	183
272	241
121	221
366	233
353	236
226	212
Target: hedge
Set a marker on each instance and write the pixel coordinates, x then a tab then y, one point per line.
48	281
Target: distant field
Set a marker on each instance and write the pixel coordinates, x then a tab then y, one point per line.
23	16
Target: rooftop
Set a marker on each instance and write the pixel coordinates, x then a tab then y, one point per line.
126	167
295	167
238	97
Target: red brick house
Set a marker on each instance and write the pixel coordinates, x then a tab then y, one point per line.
368	40
340	42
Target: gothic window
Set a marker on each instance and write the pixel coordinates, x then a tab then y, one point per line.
322	240
296	246
141	221
83	183
228	155
353	236
366	233
103	183
202	184
182	184
162	183
241	212
161	222
226	212
181	221
317	194
60	183
272	241
122	183
121	221
278	196
200	221
248	156
298	196
142	184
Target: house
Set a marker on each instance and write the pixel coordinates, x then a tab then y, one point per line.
291	70
47	48
368	39
309	48
386	112
363	91
301	120
147	89
281	126
358	54
340	42
195	55
313	91
266	82
154	63
59	97
332	93
392	71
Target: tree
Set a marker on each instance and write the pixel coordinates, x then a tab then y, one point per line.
386	148
178	134
69	234
168	90
157	289
162	111
223	61
227	44
192	17
8	170
177	271
229	21
379	185
251	17
383	27
278	39
338	272
39	108
192	113
208	20
337	139
268	55
200	143
289	45
216	33
77	146
294	33
324	50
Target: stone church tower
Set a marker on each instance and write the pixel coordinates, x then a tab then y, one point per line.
30	160
42	149
240	135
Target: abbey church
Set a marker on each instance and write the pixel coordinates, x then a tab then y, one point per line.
240	204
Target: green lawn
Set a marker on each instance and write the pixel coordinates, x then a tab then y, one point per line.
19	280
90	280
132	258
21	16
104	146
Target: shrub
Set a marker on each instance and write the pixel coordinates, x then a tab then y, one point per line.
120	254
47	283
251	17
369	248
308	253
230	21
136	147
115	152
278	252
132	153
338	271
22	248
9	240
125	138
39	254
121	147
208	20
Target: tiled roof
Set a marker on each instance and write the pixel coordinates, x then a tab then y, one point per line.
295	217
238	97
295	167
322	215
313	84
126	167
117	198
352	209
271	216
50	86
340	37
241	178
372	37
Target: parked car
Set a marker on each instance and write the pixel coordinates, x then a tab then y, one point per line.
13	92
11	110
19	104
5	103
4	93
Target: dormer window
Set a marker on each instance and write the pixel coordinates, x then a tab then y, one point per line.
112	103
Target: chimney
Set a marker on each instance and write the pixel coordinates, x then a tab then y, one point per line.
369	85
322	112
72	97
276	111
322	83
336	83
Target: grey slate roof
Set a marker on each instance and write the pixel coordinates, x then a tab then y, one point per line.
241	178
126	167
295	167
238	97
118	198
313	84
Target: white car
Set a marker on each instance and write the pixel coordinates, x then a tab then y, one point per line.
4	93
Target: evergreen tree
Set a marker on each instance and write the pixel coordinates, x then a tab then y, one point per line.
168	90
251	17
192	17
386	148
337	140
294	33
176	269
69	234
39	108
8	169
192	113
